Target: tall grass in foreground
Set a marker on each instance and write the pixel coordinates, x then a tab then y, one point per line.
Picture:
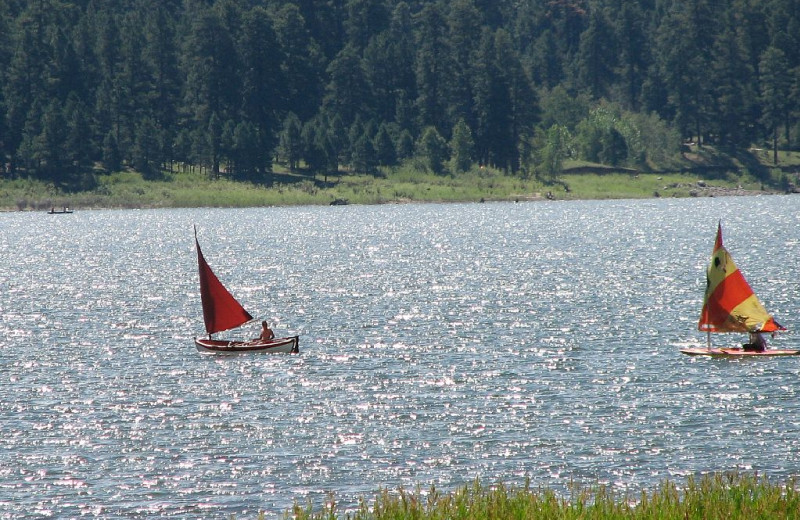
729	496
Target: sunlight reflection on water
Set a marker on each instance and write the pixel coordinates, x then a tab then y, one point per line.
439	344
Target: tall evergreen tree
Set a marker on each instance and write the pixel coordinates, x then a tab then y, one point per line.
734	96
302	63
364	158
25	85
291	143
112	160
146	150
684	32
433	67
325	20
209	66
783	26
160	55
365	19
633	55
131	85
464	29
484	89
109	92
347	93
432	149
315	147
49	150
775	91
78	140
263	97
389	67
596	61
461	147
5	57
246	151
545	61
504	102
385	152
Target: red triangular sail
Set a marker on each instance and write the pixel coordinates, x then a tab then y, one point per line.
730	305
221	311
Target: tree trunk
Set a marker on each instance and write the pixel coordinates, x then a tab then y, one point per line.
699	134
775	145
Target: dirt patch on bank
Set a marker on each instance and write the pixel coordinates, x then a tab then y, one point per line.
704	189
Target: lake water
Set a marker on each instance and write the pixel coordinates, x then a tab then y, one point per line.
439	344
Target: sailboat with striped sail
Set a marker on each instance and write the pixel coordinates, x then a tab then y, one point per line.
730	305
221	312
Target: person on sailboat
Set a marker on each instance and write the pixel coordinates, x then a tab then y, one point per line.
757	342
266	332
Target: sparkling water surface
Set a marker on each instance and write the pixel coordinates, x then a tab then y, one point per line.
440	344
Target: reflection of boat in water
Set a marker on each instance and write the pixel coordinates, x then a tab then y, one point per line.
62	211
730	305
221	312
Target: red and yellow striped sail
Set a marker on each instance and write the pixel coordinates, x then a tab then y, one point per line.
730	304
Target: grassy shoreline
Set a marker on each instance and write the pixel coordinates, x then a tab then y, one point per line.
731	496
127	190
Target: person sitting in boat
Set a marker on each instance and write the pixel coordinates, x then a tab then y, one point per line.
757	342
266	332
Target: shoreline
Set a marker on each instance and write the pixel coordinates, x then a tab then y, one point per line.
528	199
127	190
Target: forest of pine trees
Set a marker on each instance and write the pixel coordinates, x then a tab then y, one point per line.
234	86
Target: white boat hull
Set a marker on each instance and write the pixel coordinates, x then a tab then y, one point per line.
289	345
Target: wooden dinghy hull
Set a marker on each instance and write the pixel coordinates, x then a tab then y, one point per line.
738	352
289	345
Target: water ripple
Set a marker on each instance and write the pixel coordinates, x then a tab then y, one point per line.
440	344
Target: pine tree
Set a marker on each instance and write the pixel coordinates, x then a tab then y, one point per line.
432	67
302	62
112	161
365	18
683	34
291	144
160	56
432	149
596	57
315	146
347	94
775	90
364	159
211	95
49	150
461	147
245	151
633	56
385	153
146	158
733	83
464	29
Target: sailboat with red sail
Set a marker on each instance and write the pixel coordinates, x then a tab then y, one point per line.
221	312
730	305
